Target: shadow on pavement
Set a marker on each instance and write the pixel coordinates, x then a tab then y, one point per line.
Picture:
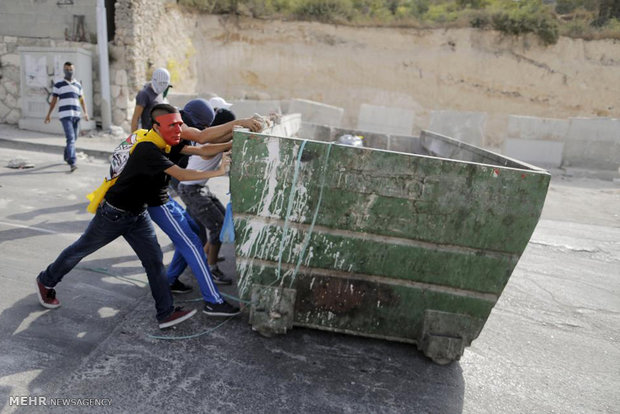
36	170
77	207
213	366
43	347
34	230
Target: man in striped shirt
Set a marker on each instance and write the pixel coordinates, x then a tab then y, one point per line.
68	94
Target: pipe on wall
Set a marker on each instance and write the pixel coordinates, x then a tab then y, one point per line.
104	67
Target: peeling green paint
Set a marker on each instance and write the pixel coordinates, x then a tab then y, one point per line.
408	233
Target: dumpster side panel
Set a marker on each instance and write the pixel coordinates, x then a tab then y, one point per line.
392	194
404	247
370	306
364	253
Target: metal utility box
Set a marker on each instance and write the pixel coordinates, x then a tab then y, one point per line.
40	69
411	247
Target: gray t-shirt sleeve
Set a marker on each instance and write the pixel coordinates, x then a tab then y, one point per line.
143	99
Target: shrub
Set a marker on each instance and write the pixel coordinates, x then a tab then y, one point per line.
579	18
324	10
526	16
576	29
442	13
566	6
412	8
480	19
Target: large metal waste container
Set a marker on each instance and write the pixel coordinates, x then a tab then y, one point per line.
411	247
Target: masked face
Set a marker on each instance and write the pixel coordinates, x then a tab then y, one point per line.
169	127
160	80
159	86
68	72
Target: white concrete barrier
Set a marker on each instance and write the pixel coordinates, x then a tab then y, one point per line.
541	153
247	108
533	128
538	141
593	143
385	119
287	126
180	99
464	126
316	112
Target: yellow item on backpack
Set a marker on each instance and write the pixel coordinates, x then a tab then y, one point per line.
119	160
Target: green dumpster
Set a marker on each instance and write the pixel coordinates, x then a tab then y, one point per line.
411	247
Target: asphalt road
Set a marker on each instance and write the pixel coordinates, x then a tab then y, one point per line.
551	345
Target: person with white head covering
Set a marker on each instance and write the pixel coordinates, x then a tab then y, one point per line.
219	103
152	93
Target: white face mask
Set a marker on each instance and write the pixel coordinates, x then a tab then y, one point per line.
159	86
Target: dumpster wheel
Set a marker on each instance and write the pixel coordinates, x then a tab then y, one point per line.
272	310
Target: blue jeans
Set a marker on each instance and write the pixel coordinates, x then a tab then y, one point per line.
179	226
71	125
108	224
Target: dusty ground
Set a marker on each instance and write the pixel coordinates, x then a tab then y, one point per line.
420	70
550	344
578	199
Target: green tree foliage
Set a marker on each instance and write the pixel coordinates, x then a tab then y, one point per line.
608	9
525	16
577	18
325	10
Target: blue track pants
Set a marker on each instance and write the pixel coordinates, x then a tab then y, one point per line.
175	222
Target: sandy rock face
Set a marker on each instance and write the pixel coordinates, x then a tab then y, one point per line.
419	70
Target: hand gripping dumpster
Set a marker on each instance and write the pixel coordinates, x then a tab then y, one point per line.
411	247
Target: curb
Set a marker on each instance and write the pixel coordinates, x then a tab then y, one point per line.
53	148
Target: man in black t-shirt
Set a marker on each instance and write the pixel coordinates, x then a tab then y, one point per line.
123	213
174	220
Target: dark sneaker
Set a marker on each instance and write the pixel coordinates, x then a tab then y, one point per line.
73	167
219	277
177	316
47	297
221	309
180	287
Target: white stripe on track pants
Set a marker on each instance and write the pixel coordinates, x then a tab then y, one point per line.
173	220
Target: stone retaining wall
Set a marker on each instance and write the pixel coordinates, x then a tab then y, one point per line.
130	60
10	73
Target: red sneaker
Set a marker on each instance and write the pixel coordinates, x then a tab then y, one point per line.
47	297
177	316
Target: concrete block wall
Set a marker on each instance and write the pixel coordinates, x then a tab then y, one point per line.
10	103
41	67
247	108
316	112
547	154
385	119
131	57
538	141
11	68
587	143
464	126
44	23
533	128
326	133
575	142
592	143
405	143
285	126
180	99
315	131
